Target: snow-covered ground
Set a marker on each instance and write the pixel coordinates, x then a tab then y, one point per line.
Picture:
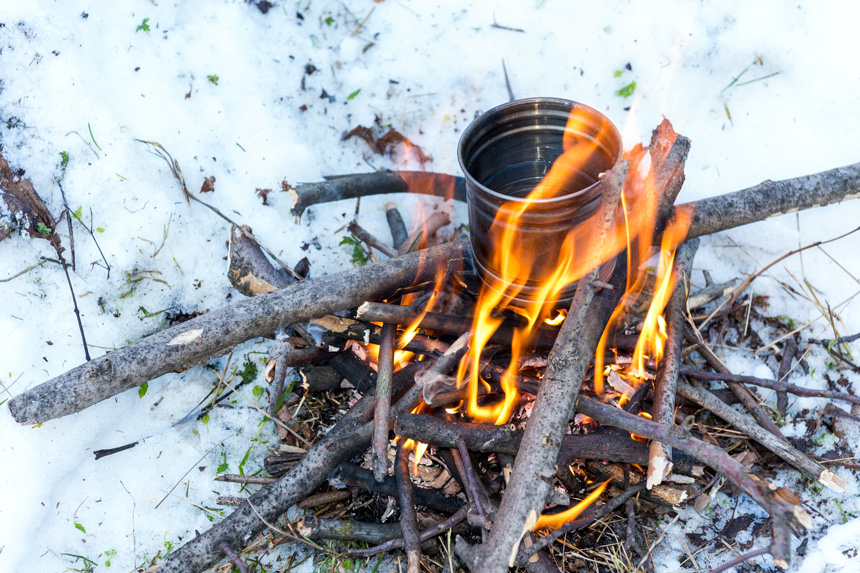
224	88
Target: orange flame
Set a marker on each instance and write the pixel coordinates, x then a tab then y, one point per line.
640	213
654	328
558	519
571	265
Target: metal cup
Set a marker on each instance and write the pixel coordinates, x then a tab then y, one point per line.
504	154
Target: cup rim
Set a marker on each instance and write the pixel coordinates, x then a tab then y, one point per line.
469	131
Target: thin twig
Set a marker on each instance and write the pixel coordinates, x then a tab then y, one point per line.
428	533
408	515
381	426
770	384
234	557
364	235
738	560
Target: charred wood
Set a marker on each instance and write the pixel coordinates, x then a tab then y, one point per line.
358	477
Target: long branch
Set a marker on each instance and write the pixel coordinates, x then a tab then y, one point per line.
193	342
774	443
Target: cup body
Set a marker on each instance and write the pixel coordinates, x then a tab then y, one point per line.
504	154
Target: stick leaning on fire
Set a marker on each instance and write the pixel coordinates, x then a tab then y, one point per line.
193	342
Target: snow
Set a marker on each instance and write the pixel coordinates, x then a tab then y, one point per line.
427	69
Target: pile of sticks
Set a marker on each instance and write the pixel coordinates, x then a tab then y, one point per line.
504	477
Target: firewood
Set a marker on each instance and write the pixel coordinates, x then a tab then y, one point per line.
348	437
305	195
408	517
195	341
385	371
777	445
357	477
606	444
770	384
395	223
772	198
782	505
663	412
535	463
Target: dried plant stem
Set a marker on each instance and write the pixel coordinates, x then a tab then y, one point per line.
385	372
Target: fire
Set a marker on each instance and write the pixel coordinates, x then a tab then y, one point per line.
414	184
558	519
571	265
558	319
654	327
639	210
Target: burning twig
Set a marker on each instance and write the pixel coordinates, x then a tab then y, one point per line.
663	412
535	463
399	234
372	334
198	339
580	523
445	323
385	371
408	518
607	444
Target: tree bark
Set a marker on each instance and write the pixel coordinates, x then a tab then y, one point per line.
194	342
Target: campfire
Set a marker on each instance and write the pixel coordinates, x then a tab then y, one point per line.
552	368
